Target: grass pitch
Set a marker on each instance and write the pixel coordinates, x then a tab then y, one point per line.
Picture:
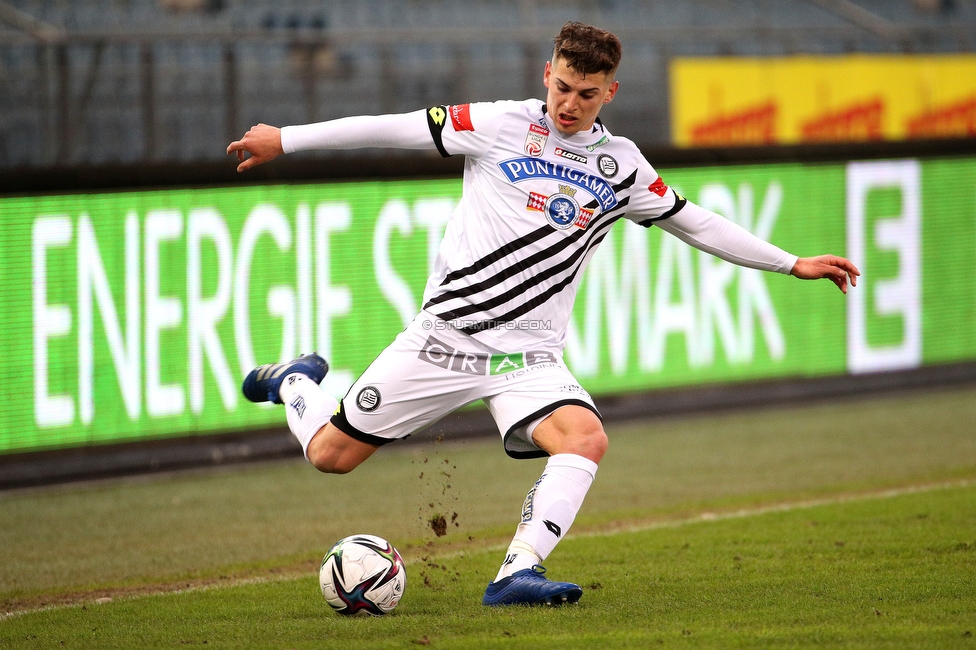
833	525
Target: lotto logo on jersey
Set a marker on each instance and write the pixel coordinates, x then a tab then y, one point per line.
461	117
571	155
535	140
437	115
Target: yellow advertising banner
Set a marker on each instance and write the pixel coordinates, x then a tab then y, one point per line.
808	99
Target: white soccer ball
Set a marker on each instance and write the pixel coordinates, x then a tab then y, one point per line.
363	573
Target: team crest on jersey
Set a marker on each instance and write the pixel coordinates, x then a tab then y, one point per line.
368	399
561	209
535	140
607	165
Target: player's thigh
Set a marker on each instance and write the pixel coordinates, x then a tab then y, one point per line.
527	397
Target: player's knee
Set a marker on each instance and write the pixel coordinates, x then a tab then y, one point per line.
332	460
330	463
325	457
588	440
573	430
595	443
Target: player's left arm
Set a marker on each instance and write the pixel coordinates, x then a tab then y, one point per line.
712	233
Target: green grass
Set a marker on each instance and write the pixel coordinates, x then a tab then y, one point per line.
871	573
858	570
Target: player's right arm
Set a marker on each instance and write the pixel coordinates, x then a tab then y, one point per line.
434	128
264	142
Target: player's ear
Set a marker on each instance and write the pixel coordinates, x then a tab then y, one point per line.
611	92
547	74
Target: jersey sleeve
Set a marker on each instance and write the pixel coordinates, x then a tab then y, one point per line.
714	234
399	131
654	203
468	129
652	200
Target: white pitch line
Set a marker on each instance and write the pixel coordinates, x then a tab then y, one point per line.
704	517
783	507
162	592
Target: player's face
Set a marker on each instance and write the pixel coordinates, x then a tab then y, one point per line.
573	99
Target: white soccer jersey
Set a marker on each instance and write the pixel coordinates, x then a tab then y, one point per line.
535	206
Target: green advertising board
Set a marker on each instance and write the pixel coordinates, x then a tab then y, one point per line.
135	315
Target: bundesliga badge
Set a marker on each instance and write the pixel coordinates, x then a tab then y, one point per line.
535	140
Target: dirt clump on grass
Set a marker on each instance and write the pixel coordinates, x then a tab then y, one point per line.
438	524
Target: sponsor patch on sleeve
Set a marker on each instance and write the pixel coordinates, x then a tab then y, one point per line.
461	117
436	119
658	187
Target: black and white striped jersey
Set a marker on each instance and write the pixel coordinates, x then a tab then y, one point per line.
535	206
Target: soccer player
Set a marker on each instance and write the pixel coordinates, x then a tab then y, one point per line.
543	183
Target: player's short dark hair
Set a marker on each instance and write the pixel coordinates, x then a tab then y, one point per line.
587	49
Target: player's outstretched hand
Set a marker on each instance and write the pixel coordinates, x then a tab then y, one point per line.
837	269
262	142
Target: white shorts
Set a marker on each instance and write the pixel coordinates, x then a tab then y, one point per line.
431	370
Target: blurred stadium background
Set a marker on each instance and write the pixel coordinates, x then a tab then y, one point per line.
145	81
114	95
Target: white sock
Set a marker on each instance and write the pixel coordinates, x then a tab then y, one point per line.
549	511
307	408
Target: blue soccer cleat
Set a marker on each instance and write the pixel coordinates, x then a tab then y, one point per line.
262	383
530	587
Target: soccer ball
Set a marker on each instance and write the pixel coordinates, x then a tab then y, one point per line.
363	573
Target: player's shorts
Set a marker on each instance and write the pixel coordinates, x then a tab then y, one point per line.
431	370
